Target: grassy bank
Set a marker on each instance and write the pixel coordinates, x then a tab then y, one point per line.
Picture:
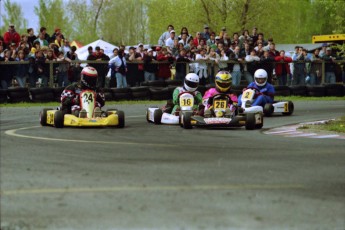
337	125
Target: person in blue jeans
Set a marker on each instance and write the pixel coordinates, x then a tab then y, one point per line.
119	67
265	91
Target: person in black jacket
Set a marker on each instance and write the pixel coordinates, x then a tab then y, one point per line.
181	65
7	71
150	68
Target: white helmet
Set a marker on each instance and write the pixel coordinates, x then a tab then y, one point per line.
191	82
260	74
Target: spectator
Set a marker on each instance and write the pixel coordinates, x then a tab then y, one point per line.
251	66
74	69
46	36
197	39
222	32
31	37
139	56
245	37
24	42
254	35
181	65
222	63
261	39
211	43
282	69
323	50
184	39
102	69
299	73
315	68
57	32
65	48
112	79
32	71
41	39
7	72
214	57
266	63
150	68
206	34
119	66
62	70
2	53
59	41
132	68
236	69
175	50
162	39
13	50
164	68
184	31
11	36
201	66
169	43
90	50
42	69
330	66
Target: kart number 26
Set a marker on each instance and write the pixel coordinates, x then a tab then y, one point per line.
220	104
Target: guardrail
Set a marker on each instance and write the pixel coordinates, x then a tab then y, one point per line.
51	64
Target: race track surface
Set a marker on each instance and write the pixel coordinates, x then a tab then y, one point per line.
148	176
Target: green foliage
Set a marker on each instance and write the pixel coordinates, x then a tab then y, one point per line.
14	16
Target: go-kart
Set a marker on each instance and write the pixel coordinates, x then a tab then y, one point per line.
221	116
163	115
89	115
250	94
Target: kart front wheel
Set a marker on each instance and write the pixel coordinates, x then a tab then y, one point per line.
59	119
121	118
186	120
250	121
43	117
157	116
259	126
268	109
290	107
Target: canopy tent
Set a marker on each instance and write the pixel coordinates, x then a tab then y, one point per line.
76	44
107	47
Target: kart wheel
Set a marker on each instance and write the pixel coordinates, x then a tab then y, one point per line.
157	116
43	117
58	119
121	117
250	121
259	126
147	116
290	108
268	110
186	118
180	120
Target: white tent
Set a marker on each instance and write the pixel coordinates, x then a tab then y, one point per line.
108	49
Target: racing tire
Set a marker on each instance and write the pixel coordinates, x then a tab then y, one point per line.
157	116
121	117
250	121
43	117
268	109
186	120
259	126
59	119
291	108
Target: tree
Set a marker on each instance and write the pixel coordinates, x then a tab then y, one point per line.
13	15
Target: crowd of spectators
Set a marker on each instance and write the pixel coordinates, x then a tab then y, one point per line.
205	54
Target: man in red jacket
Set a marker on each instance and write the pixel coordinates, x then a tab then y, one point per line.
11	36
282	69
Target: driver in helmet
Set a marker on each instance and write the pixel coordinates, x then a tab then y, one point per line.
191	83
264	89
70	99
223	85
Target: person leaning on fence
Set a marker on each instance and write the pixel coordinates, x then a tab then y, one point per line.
315	68
164	68
22	69
236	68
282	69
330	66
119	66
150	68
7	71
300	71
62	70
181	65
42	68
201	66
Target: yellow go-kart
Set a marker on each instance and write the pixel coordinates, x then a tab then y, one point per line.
89	116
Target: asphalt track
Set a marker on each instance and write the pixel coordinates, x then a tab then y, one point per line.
147	176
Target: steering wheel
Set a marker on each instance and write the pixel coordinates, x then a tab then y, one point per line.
221	95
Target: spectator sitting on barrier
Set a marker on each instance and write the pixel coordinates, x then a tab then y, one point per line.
282	69
162	39
164	68
150	68
330	66
7	71
315	68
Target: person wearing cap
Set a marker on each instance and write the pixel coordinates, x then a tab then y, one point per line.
169	43
150	68
165	35
56	32
206	34
102	68
11	36
330	66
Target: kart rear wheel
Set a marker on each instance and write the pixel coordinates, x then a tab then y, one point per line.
157	116
250	121
290	108
59	119
43	117
121	117
268	109
186	120
147	115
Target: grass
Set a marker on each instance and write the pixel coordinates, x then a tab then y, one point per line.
144	102
337	125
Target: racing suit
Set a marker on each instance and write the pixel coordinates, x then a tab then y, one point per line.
266	94
213	91
176	102
70	98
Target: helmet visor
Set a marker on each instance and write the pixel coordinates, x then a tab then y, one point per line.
192	84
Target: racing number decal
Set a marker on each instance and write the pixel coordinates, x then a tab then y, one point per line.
220	104
88	98
186	102
248	95
286	107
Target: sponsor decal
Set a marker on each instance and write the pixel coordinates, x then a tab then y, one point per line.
219	120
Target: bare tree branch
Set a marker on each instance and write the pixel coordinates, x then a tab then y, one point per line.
97	15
